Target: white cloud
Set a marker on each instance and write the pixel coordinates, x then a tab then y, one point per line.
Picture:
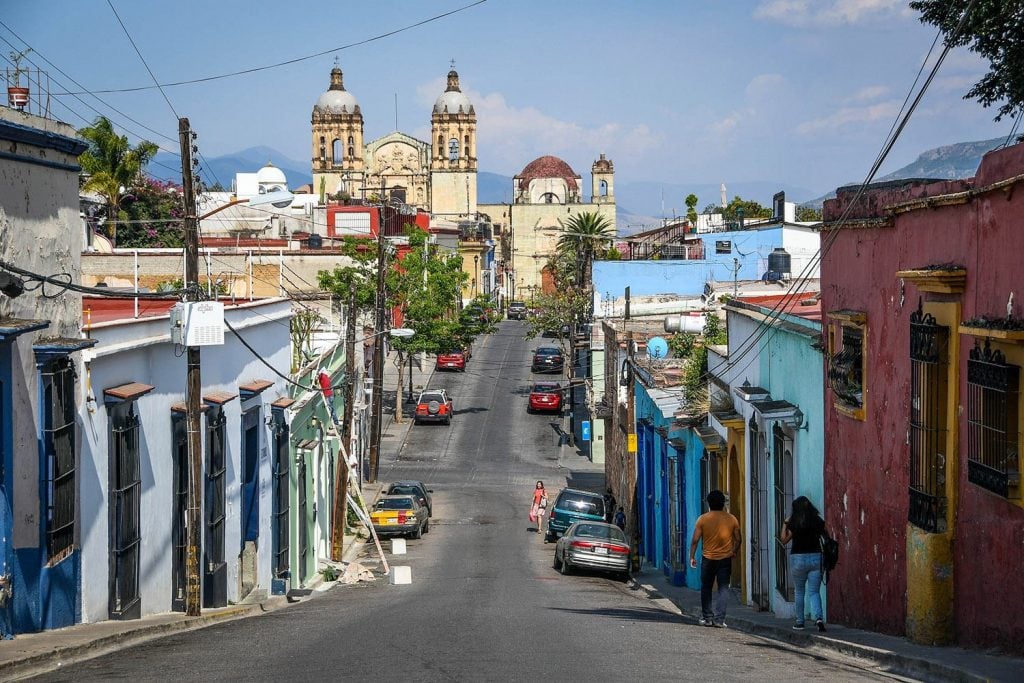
761	88
868	94
806	13
847	116
510	136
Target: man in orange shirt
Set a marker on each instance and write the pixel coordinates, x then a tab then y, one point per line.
720	533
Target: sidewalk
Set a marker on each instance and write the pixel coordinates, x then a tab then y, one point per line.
896	654
31	654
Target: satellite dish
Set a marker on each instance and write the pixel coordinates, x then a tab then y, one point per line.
657	347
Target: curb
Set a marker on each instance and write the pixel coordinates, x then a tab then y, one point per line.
41	663
921	667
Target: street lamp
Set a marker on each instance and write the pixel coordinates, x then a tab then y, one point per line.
476	273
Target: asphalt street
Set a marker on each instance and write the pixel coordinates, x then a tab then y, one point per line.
485	602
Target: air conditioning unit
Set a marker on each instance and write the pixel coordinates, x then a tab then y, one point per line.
197	323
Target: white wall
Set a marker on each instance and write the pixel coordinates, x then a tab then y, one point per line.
141	351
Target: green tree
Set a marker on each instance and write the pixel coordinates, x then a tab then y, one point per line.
113	166
691	208
748	207
992	30
556	314
151	216
586	235
808	213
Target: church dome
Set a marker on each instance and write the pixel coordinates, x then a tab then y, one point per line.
336	100
271	175
453	100
547	167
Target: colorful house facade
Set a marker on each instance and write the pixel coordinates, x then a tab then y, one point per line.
920	289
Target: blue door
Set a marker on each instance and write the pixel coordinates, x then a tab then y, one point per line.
250	476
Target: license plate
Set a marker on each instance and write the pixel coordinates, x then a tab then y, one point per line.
391	521
601	551
451	365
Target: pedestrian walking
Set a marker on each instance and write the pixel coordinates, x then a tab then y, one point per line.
609	505
719	533
620	518
804	528
539	505
324	380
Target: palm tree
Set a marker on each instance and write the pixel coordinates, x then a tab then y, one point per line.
586	235
112	165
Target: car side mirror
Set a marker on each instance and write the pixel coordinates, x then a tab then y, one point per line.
430	490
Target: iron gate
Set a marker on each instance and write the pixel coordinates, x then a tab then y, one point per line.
928	351
759	535
215	583
782	453
179	511
125	489
280	502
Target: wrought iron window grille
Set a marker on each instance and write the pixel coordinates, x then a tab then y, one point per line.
993	460
58	378
929	343
782	448
845	370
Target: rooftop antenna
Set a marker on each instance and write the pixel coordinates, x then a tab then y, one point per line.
724	202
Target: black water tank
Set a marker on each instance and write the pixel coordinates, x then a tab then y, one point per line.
317	242
779	261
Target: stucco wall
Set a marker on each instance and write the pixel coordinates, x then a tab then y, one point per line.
867	462
142	352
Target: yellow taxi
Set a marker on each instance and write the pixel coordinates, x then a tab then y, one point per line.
399	515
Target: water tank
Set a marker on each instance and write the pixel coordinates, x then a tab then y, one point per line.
317	242
657	347
692	323
779	261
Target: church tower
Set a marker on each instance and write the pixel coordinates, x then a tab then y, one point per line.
602	181
338	164
453	155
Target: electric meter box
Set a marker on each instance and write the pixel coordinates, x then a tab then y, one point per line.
197	323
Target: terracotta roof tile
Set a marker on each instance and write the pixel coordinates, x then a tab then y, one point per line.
128	392
219	397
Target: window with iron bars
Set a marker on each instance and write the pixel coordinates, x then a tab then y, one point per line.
993	461
281	508
59	443
125	493
929	343
846	342
782	447
216	468
708	477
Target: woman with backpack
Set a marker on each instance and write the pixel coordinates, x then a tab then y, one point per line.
805	528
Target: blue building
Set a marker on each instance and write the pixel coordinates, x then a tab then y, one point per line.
40	563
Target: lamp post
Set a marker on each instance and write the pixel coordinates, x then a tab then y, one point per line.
476	273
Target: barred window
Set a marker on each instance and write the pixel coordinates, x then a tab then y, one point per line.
993	461
125	499
59	443
929	343
847	351
216	468
782	454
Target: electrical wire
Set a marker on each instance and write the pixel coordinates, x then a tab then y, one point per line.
141	58
288	62
68	284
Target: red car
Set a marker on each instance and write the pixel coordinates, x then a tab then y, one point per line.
545	397
452	360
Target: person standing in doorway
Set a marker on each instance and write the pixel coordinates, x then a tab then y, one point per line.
719	533
804	528
609	505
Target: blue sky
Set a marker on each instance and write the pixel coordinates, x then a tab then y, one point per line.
692	91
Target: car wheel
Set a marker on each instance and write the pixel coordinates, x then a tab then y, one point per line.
548	537
623	577
529	410
426	527
418	533
447	420
557	564
565	569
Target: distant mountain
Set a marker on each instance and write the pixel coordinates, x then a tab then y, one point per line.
954	161
493	188
223	168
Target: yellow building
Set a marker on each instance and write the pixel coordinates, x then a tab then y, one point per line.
547	193
437	176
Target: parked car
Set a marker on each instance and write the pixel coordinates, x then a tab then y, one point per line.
547	359
414	488
399	516
434	405
453	359
545	397
573	505
517	310
593	545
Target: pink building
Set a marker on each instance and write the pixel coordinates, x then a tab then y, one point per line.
923	301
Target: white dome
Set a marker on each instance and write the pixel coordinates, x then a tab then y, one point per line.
271	174
454	100
336	102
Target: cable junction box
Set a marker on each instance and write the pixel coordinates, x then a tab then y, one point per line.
197	323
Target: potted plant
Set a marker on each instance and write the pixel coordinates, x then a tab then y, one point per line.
17	96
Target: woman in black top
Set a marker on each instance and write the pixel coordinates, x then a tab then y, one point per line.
804	528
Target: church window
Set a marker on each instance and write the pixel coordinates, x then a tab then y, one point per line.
603	188
351	140
453	149
466	148
351	152
336	151
549	198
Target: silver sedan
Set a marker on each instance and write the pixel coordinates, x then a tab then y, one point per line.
593	545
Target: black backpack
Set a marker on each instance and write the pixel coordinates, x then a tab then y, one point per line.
829	553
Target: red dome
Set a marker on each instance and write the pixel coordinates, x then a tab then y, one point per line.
547	167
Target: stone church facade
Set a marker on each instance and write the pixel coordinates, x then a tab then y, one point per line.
439	176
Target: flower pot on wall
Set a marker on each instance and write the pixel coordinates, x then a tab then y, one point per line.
17	97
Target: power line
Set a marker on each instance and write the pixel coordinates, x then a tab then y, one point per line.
288	62
141	58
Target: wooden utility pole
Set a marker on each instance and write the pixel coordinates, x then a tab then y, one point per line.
340	516
378	356
630	460
193	586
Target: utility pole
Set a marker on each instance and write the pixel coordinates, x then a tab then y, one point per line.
193	587
378	356
630	459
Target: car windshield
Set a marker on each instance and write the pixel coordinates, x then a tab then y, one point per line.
600	531
547	351
545	388
394	504
408	489
425	398
584	503
517	304
452	352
